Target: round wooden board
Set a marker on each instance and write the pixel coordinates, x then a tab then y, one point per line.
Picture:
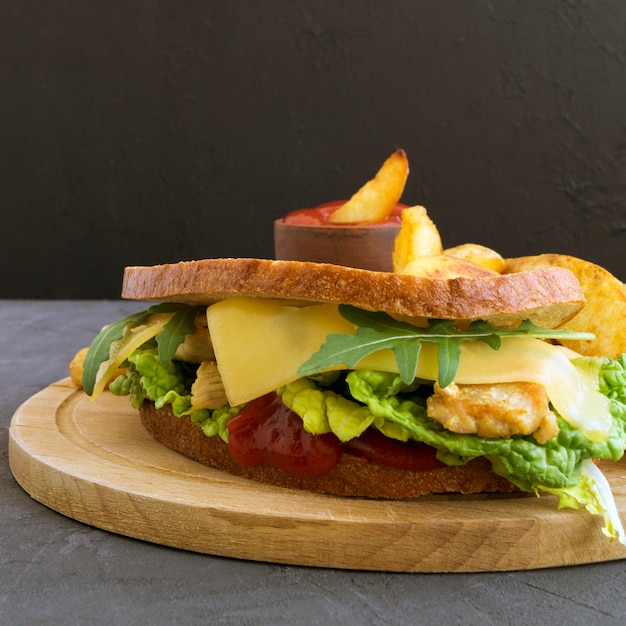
92	461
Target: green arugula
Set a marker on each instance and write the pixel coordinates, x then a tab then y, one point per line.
99	349
377	331
168	340
174	332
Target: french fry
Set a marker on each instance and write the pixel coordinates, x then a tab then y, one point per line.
481	255
76	367
418	237
604	314
375	201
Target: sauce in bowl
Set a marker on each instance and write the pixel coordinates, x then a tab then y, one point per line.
307	235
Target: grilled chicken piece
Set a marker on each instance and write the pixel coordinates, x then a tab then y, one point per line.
496	410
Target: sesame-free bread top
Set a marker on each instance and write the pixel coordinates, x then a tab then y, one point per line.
548	296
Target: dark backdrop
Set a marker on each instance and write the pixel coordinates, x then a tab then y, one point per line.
148	131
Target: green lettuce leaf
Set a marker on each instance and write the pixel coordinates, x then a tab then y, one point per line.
561	467
175	331
521	459
593	492
324	410
168	384
381	399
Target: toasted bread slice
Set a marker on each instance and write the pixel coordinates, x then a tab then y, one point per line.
548	296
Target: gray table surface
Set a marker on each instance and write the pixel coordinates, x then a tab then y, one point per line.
55	570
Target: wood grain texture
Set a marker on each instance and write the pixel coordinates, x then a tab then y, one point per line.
93	462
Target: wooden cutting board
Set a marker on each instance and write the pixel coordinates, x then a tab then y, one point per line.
92	461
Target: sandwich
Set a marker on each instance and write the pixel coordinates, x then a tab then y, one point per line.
359	383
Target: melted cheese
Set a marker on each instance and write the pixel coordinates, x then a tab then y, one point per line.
259	345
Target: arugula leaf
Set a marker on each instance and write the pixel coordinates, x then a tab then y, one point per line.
168	340
448	357
99	349
350	349
376	331
174	332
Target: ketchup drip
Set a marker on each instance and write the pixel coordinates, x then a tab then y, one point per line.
266	431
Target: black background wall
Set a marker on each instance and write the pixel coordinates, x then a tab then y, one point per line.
148	131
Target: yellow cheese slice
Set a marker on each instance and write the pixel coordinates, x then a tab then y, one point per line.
259	345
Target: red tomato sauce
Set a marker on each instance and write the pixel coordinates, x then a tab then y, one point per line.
266	431
318	216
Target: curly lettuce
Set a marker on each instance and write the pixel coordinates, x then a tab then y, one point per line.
562	466
593	492
168	383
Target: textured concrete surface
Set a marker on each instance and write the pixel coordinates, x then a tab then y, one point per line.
54	570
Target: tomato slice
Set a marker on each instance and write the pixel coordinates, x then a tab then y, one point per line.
412	455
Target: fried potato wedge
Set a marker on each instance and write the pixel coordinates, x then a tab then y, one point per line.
76	367
77	364
604	314
481	255
375	201
418	237
443	266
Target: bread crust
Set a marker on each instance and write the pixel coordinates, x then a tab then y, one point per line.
548	296
353	476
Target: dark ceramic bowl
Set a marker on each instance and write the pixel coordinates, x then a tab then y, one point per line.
366	247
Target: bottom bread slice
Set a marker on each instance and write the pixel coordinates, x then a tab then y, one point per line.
353	476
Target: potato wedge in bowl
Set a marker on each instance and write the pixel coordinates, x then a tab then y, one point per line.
375	200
